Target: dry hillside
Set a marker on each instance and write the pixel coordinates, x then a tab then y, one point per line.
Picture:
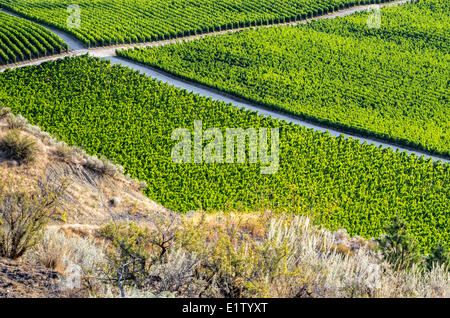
97	193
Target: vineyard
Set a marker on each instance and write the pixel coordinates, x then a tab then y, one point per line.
390	82
422	25
22	40
107	22
128	117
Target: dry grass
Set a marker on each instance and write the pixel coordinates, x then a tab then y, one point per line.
264	255
235	255
321	263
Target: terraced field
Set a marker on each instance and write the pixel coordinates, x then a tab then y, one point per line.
105	22
129	118
389	82
22	40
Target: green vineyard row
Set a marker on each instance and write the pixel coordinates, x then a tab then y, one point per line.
22	40
389	82
109	22
129	118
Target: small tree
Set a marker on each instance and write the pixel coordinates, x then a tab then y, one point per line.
398	246
440	254
23	215
136	250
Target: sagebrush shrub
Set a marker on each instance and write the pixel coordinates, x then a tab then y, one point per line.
103	166
16	122
4	112
59	252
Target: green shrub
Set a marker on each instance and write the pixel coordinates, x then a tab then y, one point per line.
128	260
18	147
23	215
137	251
244	259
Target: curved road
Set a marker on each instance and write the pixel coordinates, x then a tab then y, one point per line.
109	53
